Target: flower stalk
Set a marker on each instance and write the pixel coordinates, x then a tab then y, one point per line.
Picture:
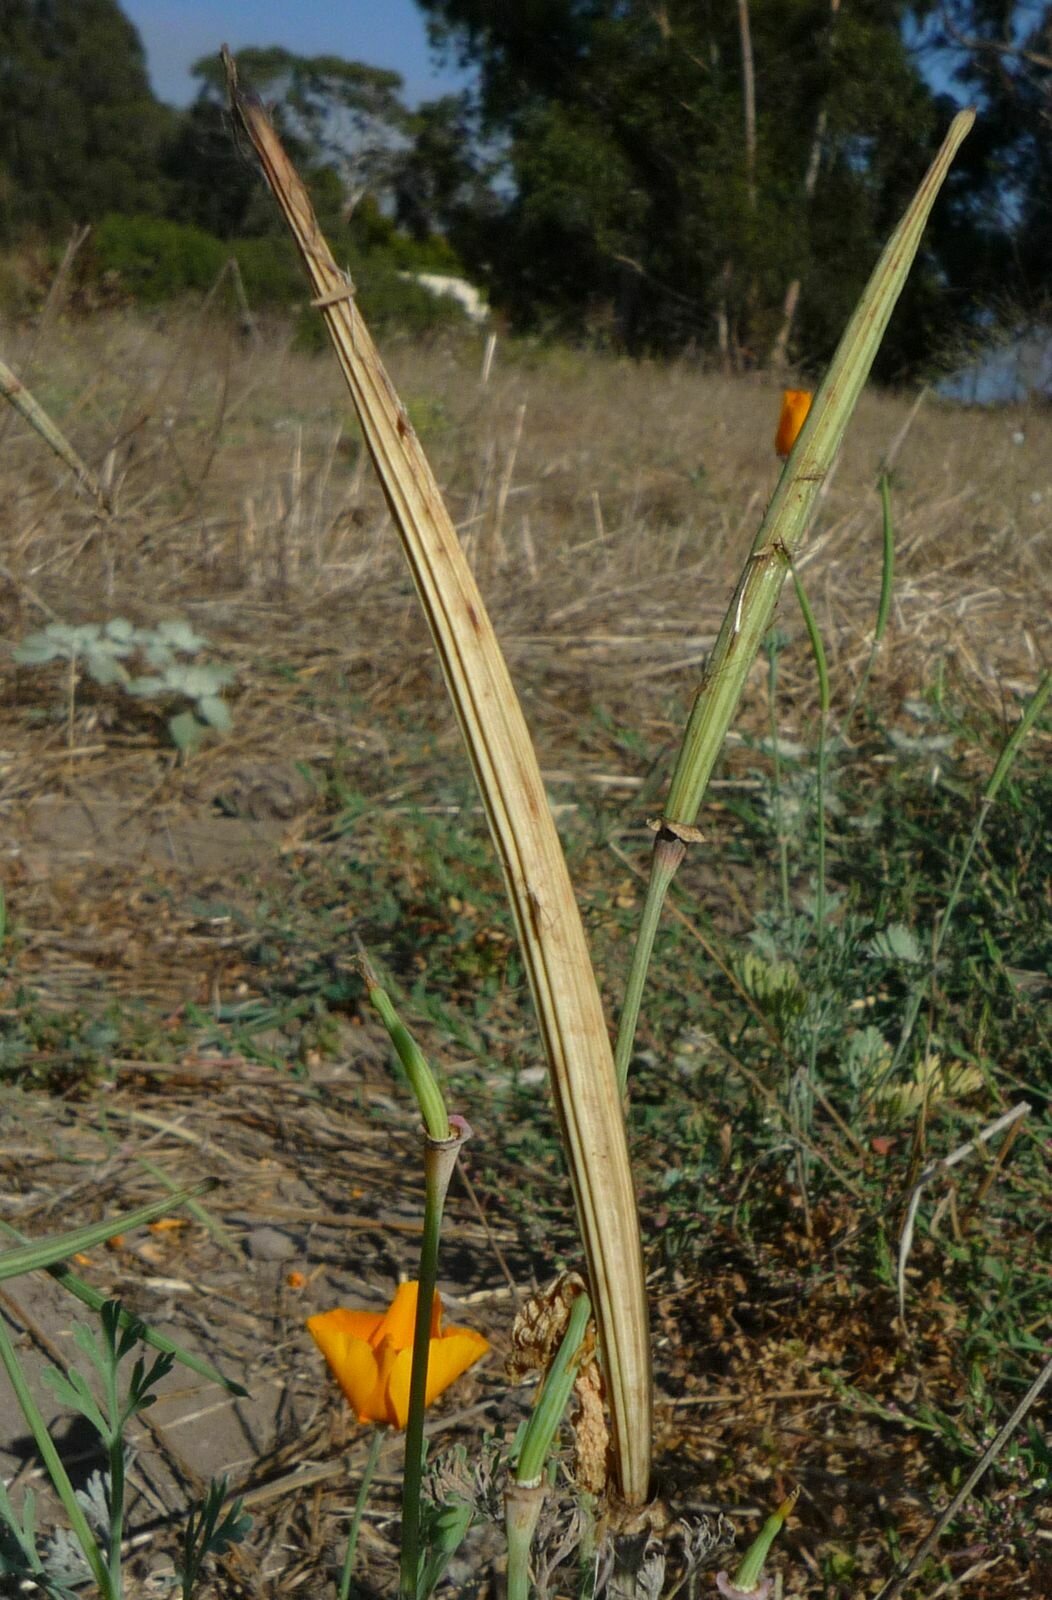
555	1394
524	1498
443	1137
548	921
748	1582
368	1351
440	1157
366	1484
422	1080
781	535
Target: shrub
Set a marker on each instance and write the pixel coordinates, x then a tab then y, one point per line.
152	260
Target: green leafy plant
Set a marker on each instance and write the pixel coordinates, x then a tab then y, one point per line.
210	1532
109	1416
146	663
90	1548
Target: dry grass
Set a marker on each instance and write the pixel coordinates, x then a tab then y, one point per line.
607	507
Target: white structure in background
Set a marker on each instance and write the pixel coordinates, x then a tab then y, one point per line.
465	294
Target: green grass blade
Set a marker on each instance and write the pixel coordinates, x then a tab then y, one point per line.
90	1297
1013	745
887	575
31	1257
887	585
818	650
53	1462
203	1216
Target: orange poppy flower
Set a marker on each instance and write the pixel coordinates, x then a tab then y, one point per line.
796	403
371	1352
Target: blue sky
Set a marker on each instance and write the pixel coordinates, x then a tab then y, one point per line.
384	33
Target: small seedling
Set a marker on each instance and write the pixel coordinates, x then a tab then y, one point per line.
208	1533
111	652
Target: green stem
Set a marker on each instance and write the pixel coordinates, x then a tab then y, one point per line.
791	508
996	779
373	1457
558	1386
586	1549
523	1503
440	1157
116	1501
524	1498
773	646
422	1080
887	573
56	1471
668	853
749	1573
114	1442
887	583
821	666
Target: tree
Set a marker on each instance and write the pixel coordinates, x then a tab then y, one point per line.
678	166
440	181
80	130
339	116
1000	54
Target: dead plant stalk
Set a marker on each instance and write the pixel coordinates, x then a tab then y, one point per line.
572	1025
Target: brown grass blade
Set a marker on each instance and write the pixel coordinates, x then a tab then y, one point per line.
551	935
15	391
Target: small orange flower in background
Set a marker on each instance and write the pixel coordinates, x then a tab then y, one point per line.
167	1225
371	1353
796	403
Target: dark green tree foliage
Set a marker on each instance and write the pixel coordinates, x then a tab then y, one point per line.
632	198
1000	54
373	167
343	122
440	183
80	130
212	181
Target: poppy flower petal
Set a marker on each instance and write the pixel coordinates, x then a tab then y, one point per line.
353	1363
386	1407
448	1357
399	1324
355	1324
371	1355
456	1351
401	1318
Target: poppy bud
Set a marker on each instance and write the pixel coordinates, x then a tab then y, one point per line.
796	403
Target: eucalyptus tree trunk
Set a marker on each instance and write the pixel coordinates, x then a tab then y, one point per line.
779	356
